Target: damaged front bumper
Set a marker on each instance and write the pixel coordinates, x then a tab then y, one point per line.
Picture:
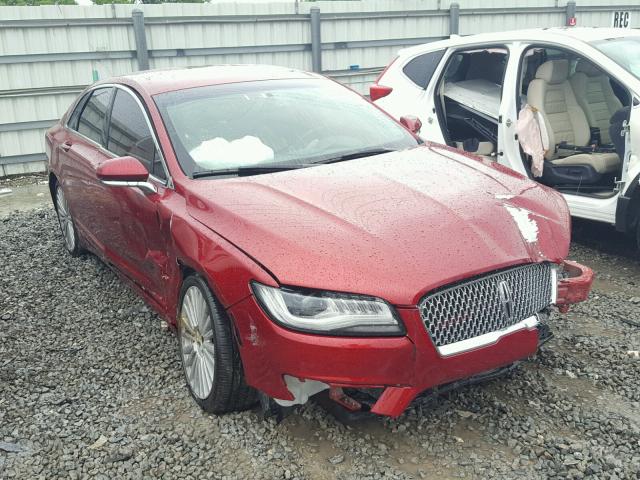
574	285
292	366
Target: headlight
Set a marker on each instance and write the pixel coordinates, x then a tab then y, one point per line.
329	313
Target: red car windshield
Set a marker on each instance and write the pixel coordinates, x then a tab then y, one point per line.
276	123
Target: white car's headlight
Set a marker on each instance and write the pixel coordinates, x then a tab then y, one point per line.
329	313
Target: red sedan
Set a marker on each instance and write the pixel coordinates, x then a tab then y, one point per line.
301	240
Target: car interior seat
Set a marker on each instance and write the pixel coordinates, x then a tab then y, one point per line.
570	159
595	96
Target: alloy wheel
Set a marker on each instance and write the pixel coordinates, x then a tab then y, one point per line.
65	219
197	343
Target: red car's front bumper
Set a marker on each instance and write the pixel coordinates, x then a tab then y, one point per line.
402	366
575	286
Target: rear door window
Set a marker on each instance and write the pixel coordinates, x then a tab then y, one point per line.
129	133
421	69
92	120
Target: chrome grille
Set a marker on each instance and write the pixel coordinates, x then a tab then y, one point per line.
472	308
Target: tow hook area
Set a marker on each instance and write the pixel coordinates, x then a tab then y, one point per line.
337	395
574	285
345	406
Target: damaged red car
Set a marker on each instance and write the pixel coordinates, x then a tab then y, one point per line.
302	241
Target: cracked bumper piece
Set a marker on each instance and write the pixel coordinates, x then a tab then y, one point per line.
575	285
278	361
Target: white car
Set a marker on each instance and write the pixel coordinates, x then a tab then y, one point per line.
581	84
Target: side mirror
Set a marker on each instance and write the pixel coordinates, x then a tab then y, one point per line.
125	172
411	123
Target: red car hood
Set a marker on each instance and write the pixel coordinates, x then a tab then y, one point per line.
393	225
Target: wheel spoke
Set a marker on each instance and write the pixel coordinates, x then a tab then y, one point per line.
190	358
209	348
187	328
208	370
189	335
201	377
207	334
201	310
70	235
194	373
191	312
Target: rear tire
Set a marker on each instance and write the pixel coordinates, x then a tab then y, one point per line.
210	358
67	226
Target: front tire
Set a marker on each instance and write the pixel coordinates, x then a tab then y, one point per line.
68	228
210	358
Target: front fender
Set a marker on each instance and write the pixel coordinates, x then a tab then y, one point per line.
226	268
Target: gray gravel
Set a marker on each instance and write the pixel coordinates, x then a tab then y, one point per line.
90	385
22	180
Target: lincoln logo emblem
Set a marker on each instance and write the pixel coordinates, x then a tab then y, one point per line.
506	299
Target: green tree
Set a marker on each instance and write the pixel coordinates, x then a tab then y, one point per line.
19	3
173	1
14	3
107	2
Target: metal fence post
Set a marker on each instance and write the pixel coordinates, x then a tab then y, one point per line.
316	42
571	14
142	53
454	19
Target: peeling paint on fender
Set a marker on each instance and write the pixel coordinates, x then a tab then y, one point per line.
527	225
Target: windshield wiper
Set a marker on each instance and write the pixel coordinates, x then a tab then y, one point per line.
258	169
353	155
245	171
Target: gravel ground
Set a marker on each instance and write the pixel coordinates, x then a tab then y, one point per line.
90	385
22	180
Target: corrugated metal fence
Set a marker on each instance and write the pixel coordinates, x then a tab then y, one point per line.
50	53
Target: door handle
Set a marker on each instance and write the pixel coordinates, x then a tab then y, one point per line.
66	146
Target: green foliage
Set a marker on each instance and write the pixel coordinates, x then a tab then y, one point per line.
19	3
107	2
173	1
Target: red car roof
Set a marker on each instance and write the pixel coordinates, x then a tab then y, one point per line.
160	81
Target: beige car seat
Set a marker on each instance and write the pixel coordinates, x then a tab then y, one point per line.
595	96
551	93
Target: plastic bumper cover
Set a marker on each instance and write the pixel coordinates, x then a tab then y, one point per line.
575	286
403	366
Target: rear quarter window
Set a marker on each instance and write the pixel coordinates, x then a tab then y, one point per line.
75	115
92	120
421	68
